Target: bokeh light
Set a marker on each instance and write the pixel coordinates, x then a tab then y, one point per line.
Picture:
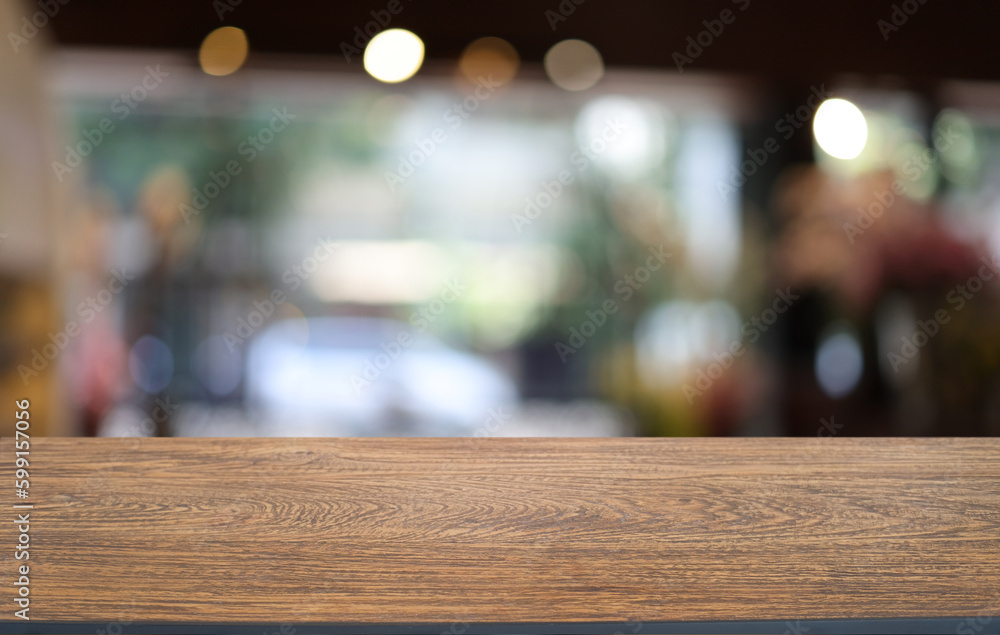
491	58
955	139
574	65
394	55
217	365
223	51
840	128
839	363
151	364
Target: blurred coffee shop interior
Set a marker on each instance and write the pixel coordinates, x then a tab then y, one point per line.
560	218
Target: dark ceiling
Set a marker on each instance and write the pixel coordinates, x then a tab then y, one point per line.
778	40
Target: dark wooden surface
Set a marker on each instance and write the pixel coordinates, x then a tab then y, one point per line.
452	531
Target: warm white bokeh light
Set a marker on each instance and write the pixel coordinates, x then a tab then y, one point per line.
574	65
840	128
394	55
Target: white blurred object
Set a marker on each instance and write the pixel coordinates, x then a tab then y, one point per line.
638	149
126	420
352	378
535	418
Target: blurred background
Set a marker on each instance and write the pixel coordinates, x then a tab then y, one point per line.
568	217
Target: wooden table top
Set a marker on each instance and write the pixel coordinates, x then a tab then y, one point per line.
491	536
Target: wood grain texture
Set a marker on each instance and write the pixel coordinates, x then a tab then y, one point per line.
372	531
